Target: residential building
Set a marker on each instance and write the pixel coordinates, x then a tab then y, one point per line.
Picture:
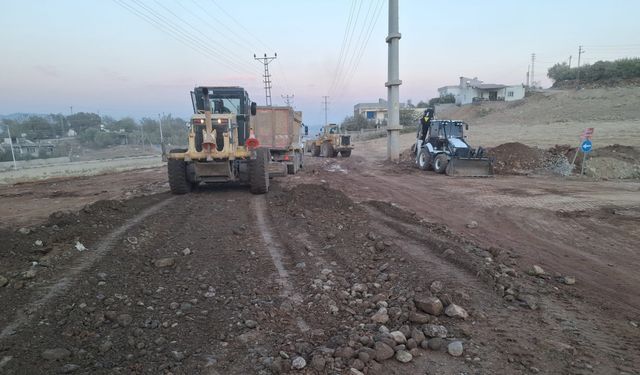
471	90
372	111
23	147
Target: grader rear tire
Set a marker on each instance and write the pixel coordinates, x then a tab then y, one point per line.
177	171
259	173
440	163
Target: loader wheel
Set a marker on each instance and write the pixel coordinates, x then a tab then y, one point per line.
315	150
424	159
327	150
258	172
440	163
177	170
345	153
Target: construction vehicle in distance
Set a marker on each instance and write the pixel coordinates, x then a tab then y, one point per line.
280	129
221	145
330	142
446	151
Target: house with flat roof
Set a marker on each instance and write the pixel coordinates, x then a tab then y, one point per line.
471	90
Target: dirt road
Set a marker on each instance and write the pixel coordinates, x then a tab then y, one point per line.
223	282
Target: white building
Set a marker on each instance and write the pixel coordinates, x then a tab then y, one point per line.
372	111
471	90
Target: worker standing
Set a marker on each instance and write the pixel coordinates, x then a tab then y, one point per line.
425	122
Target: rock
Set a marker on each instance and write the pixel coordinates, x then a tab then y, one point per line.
536	270
434	330
406	331
298	363
359	287
69	368
372	236
403	356
568	280
436	287
412	343
435	343
124	319
80	246
38	243
355	371
380	317
186	252
250	323
357	364
528	300
417	335
428	304
383	351
318	362
3	281
398	337
448	253
55	354
418	317
364	356
472	224
24	230
106	346
455	348
455	311
344	352
178	356
29	274
164	262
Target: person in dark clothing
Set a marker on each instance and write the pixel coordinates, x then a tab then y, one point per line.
425	122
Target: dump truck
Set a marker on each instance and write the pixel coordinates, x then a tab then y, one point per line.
330	142
445	150
221	145
280	129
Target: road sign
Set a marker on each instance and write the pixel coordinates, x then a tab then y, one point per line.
586	146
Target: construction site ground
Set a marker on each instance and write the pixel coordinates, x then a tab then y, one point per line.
111	274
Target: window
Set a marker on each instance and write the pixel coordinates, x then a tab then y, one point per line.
510	93
371	115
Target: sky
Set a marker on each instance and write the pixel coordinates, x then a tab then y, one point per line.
142	57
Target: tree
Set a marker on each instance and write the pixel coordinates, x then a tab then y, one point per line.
357	122
422	104
81	121
36	127
408	117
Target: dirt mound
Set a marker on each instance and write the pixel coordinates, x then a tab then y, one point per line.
517	158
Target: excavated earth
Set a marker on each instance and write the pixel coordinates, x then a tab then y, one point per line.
345	268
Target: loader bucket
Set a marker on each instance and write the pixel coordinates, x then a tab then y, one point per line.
470	167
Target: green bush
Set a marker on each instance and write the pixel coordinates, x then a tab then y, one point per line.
601	70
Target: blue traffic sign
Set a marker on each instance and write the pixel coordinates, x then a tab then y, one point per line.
586	145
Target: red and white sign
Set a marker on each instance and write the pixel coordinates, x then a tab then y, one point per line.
587	133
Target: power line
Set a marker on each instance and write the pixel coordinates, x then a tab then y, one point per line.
343	45
267	76
288	99
347	49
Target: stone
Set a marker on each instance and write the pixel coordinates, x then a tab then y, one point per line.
186	251
318	362
412	343
55	354
24	230
434	330
472	224
381	316
124	319
536	270
298	363
3	281
419	318
372	236
355	371
383	351
435	343
455	348
106	346
38	243
417	335
178	356
398	337
80	246
344	352
364	356
250	323
359	287
436	287
455	311
528	300
164	262
357	364
29	274
428	304
448	253
568	280
403	356
69	368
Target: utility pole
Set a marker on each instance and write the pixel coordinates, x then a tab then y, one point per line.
71	109
533	62
580	52
570	56
528	72
393	83
288	99
267	77
142	135
161	137
326	106
13	155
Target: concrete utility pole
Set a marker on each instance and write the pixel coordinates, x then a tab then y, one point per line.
13	155
533	64
267	77
570	56
161	137
288	99
528	72
580	52
326	107
393	84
